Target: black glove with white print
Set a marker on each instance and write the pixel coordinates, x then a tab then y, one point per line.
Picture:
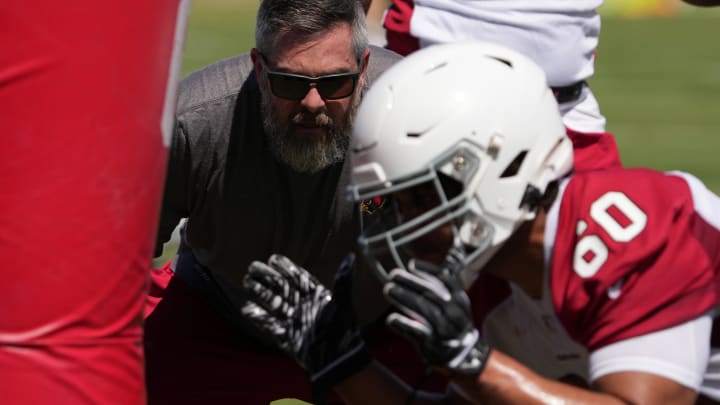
306	320
434	312
284	300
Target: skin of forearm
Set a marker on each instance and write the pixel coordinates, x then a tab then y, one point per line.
506	381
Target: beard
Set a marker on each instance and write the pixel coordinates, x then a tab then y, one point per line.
304	154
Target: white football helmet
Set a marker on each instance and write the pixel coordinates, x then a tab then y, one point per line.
474	122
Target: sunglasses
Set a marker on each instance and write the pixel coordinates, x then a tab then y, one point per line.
293	86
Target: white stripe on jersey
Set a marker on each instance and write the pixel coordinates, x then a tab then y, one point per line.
707	204
168	115
685	364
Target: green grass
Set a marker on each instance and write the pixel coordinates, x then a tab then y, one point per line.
657	80
218	29
658	83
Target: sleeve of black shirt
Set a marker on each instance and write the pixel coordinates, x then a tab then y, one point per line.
174	203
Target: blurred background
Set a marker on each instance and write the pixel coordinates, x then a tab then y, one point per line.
657	74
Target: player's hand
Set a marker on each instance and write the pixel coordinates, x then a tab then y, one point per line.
303	318
434	312
284	300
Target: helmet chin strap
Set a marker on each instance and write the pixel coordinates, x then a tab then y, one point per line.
532	198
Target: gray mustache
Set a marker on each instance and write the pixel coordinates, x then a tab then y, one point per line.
321	119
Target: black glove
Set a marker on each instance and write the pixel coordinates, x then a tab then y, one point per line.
283	301
435	314
317	328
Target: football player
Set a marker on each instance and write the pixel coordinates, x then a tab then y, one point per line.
518	279
87	90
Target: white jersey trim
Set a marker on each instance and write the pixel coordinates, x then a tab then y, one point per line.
168	117
706	203
659	353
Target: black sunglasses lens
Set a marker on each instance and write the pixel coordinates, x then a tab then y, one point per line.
289	87
336	87
294	87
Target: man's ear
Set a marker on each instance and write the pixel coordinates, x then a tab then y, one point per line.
365	61
255	56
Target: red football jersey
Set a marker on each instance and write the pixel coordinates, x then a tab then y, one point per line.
635	251
87	94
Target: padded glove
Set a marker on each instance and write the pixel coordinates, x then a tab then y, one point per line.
434	312
303	318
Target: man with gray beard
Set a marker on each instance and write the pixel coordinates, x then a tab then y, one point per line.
257	166
304	154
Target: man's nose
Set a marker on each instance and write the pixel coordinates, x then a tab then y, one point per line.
312	100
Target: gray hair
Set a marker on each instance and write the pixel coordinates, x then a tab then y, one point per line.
305	18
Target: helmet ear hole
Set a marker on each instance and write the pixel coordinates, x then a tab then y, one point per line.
532	197
550	194
514	167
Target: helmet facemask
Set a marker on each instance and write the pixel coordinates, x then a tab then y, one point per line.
432	214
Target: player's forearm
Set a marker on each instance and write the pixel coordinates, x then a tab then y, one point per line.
506	381
377	385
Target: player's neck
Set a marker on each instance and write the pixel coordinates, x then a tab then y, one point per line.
521	260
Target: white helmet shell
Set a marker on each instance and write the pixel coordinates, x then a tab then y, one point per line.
489	101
